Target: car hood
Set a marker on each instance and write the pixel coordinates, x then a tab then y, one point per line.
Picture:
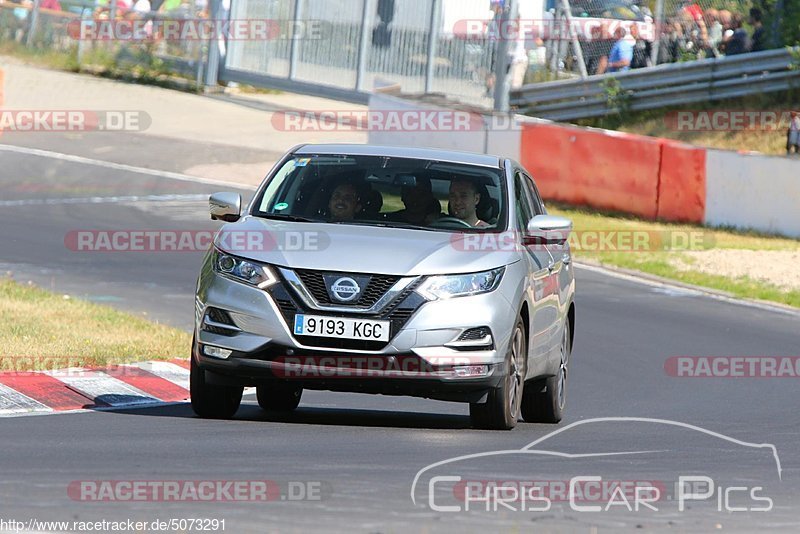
356	249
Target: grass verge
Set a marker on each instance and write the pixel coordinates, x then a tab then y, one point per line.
675	250
38	324
662	123
140	67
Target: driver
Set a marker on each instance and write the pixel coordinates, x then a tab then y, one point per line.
345	202
464	199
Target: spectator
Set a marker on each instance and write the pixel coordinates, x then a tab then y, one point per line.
665	43
519	59
601	45
678	43
699	36
714	32
591	50
793	134
141	11
493	30
170	5
142	7
50	4
726	19
619	60
759	41
693	10
737	42
103	9
641	49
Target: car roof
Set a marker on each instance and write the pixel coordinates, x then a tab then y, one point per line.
449	156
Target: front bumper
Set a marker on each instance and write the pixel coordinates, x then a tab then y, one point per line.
420	358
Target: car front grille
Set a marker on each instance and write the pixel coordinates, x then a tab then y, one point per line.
398	312
377	287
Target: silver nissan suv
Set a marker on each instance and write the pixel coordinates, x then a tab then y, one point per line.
384	270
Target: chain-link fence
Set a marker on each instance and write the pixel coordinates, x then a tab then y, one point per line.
366	44
132	36
600	36
352	47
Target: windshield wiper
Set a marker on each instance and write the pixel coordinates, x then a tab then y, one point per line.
389	224
286	217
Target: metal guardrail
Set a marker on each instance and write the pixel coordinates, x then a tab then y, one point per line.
666	85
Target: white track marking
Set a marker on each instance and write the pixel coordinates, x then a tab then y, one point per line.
102	200
119	166
168	371
12	402
102	387
701	291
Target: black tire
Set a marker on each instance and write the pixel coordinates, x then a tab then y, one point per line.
501	410
279	396
544	400
212	402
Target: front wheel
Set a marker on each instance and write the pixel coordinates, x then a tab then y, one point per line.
212	402
501	409
544	400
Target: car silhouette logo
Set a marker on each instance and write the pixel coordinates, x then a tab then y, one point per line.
345	289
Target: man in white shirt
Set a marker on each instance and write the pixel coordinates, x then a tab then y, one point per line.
519	59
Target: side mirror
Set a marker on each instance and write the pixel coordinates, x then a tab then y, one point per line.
225	207
548	230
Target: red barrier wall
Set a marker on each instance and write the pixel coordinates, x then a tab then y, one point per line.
588	167
682	184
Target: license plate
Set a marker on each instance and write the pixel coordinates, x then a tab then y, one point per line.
364	329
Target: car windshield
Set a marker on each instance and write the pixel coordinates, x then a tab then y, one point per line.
383	191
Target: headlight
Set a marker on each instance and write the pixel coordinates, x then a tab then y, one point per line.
243	270
462	285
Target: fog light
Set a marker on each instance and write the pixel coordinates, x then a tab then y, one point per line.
467	371
216	352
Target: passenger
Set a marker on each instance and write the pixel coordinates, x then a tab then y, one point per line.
345	203
464	200
421	206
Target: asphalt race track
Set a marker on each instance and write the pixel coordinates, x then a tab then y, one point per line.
351	460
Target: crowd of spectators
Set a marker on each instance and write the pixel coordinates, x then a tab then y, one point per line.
100	8
688	35
16	18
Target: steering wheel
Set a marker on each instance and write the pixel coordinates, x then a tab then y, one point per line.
450	222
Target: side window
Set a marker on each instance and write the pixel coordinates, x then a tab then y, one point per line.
522	201
538	205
